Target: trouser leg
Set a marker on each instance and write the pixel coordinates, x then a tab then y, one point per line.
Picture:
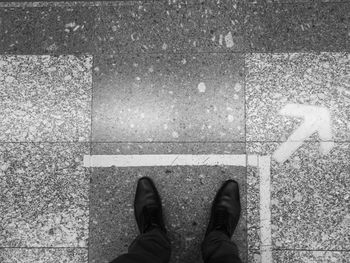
218	248
151	247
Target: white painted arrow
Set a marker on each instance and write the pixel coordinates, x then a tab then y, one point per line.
316	119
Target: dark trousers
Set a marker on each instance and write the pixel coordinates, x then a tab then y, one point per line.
154	247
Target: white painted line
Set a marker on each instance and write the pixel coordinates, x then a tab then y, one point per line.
164	160
264	163
316	119
252	160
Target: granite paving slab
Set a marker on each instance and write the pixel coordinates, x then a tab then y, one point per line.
254	256
186	191
43	255
296	27
276	80
292	256
302	256
253	208
168	97
45	98
44	195
309	199
296	1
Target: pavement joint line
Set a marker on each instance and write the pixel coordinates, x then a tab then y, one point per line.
262	163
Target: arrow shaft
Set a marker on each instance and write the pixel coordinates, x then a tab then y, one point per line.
295	140
285	150
304	131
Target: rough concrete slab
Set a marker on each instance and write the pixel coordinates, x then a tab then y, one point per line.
271	27
186	191
44	195
170	27
204	26
1	28
55	3
45	98
43	255
47	30
168	97
276	80
309	199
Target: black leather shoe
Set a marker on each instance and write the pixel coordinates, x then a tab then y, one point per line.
226	209
148	206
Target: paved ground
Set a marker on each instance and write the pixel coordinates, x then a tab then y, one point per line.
174	77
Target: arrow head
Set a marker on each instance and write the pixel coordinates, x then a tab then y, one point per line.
316	119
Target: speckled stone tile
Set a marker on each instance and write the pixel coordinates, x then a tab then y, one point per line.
163	27
309	199
275	80
311	256
168	97
297	27
253	208
254	256
43	255
47	30
294	1
45	98
186	193
44	195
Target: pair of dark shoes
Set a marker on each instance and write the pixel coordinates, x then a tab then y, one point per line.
224	216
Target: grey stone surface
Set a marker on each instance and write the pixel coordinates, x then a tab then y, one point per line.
170	27
194	95
253	206
309	198
43	255
168	97
302	256
271	27
47	30
275	80
295	1
292	256
43	195
79	3
186	191
254	256
45	98
203	26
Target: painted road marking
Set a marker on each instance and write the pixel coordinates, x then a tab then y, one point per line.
316	119
163	160
264	163
261	162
